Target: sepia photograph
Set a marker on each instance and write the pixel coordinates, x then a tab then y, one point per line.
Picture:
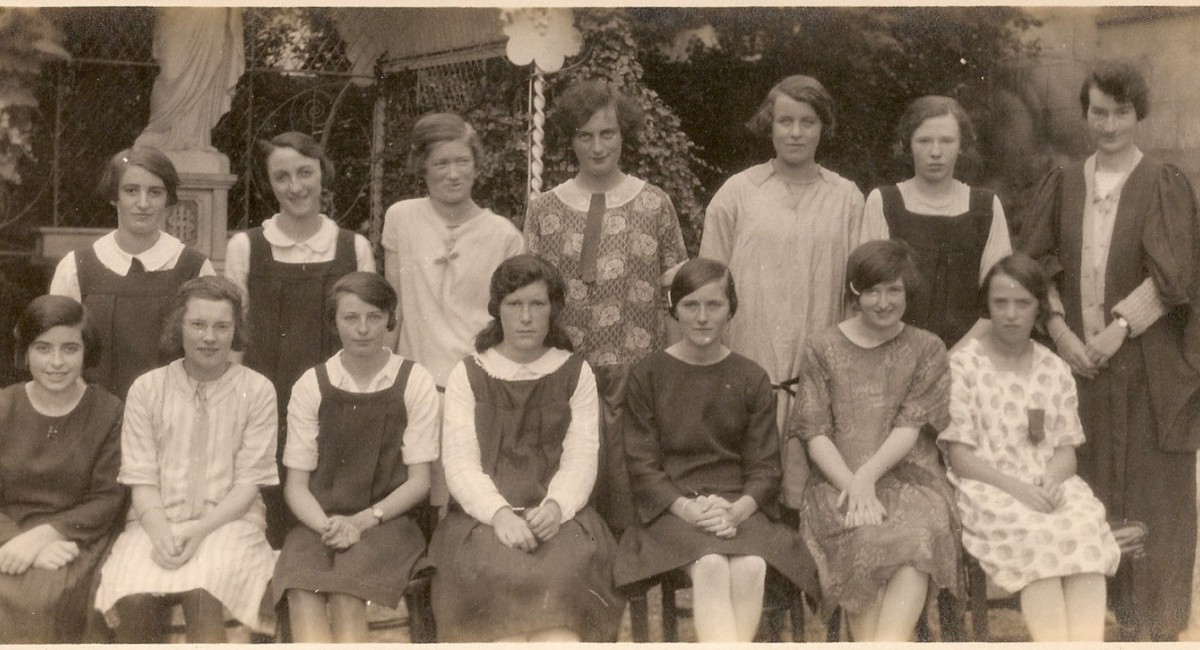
673	324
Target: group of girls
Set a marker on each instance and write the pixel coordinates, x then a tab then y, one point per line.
599	383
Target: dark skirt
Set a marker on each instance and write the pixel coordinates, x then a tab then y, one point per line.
45	606
921	530
1124	463
377	568
484	590
669	543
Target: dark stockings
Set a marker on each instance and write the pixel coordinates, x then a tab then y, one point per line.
144	617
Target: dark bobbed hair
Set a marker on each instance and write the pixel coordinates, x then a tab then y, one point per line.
1027	273
801	88
580	101
43	314
305	144
149	159
437	128
879	261
517	273
208	287
1120	80
929	106
696	273
371	288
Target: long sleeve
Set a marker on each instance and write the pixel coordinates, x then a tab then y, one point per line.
237	261
577	466
864	227
363	254
760	447
653	491
1142	307
97	512
720	223
468	484
1038	237
999	243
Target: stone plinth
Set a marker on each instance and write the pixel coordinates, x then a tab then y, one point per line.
199	220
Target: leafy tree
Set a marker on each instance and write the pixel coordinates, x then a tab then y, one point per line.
665	156
873	60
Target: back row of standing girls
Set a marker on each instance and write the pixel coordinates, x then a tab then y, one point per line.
614	237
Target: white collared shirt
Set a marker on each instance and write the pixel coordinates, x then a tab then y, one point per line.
162	256
321	247
419	443
471	487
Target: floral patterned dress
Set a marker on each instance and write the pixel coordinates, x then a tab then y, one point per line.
989	412
856	396
618	318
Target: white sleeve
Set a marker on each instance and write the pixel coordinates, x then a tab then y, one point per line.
720	223
572	483
420	442
303	426
468	484
364	254
999	244
66	278
237	263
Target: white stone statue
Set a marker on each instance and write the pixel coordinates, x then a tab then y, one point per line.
200	56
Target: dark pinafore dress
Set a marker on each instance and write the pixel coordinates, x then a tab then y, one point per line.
359	464
289	334
483	590
949	251
129	311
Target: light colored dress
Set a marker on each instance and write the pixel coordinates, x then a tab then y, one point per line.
989	412
442	274
856	396
618	319
234	562
786	245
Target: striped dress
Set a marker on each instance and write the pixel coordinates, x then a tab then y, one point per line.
233	563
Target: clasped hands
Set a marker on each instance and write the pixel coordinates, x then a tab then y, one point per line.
173	549
1087	359
1042	494
340	532
715	514
35	548
525	530
863	508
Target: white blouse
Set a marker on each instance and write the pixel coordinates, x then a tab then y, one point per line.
162	256
156	436
470	486
321	247
419	443
999	244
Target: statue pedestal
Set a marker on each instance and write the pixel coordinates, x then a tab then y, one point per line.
200	217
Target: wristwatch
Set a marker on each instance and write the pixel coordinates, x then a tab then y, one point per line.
377	513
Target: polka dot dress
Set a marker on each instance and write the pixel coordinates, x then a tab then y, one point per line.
990	412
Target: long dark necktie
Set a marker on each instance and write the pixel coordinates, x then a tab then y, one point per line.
591	238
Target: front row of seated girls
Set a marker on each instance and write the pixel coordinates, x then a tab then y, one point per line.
521	555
